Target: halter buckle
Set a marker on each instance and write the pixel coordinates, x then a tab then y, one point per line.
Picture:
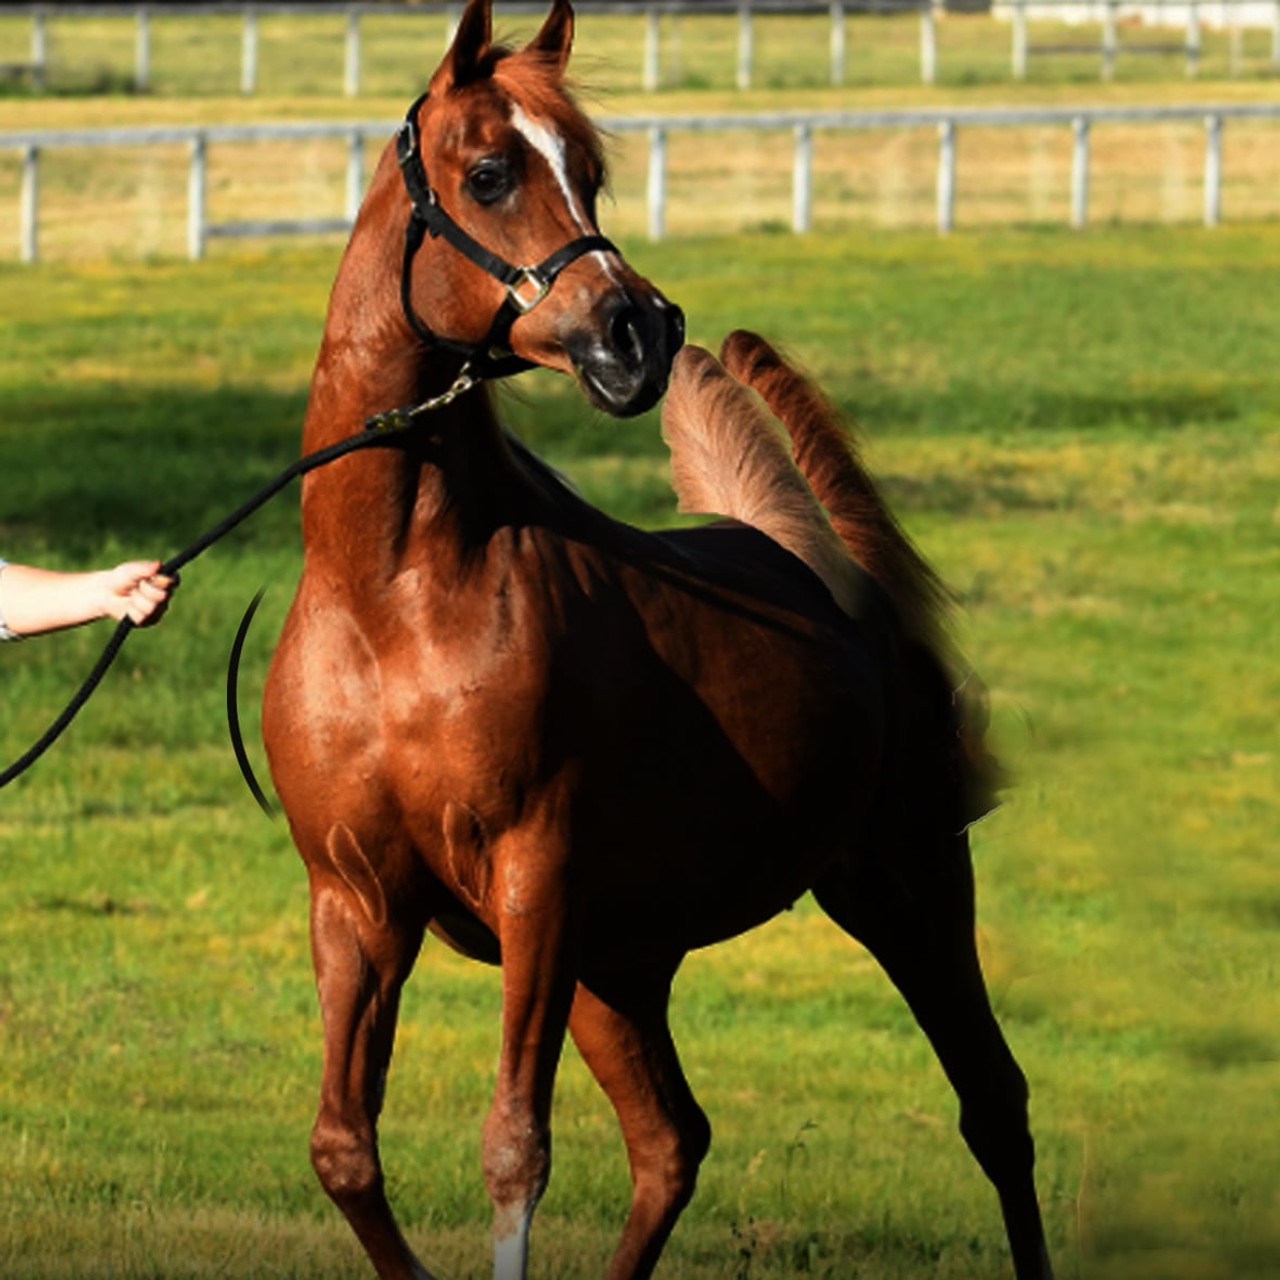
524	302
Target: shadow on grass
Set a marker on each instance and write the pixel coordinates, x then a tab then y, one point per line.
149	469
964	407
145	469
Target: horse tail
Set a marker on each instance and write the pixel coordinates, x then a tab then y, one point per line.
728	458
826	452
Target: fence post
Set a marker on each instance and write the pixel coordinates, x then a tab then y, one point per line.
249	53
1019	40
142	69
1110	40
802	180
837	42
746	43
1275	38
657	182
40	46
355	173
1212	171
195	199
1079	172
652	48
928	44
1193	39
351	71
30	218
946	176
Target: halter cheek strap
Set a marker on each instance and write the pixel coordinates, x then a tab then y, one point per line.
525	286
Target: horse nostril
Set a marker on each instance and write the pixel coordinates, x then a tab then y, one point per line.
626	332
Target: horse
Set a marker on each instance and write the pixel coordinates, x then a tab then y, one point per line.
571	747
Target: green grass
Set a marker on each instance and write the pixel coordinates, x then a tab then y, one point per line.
1079	429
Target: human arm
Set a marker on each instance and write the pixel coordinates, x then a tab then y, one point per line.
34	601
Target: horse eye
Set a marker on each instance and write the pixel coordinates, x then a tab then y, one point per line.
489	181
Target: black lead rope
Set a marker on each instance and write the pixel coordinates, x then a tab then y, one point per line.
382	431
233	708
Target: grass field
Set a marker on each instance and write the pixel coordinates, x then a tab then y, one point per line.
1079	429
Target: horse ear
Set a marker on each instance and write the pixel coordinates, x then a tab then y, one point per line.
470	44
555	39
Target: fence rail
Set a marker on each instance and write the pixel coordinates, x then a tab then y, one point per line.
804	127
1106	13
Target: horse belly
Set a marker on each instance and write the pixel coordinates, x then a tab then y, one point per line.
731	794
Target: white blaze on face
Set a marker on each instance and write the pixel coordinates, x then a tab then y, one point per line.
550	146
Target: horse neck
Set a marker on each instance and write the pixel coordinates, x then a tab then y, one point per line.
382	507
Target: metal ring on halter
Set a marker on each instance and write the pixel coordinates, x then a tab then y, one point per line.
541	287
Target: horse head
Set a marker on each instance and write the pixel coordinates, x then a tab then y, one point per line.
509	160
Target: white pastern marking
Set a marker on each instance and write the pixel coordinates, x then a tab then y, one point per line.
511	1254
550	146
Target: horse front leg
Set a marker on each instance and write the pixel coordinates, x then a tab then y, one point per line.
530	893
361	961
619	1023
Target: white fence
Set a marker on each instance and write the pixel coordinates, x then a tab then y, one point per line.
804	127
948	123
1234	14
651	14
1191	15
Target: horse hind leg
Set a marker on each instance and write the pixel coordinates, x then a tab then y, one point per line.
621	1031
925	941
362	959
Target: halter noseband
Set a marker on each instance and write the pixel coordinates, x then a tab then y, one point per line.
492	357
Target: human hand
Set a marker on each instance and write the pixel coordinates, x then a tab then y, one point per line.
134	590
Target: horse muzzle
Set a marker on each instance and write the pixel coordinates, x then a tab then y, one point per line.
624	361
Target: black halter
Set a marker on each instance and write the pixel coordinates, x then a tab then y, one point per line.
492	357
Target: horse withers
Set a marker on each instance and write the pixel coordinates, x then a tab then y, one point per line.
572	747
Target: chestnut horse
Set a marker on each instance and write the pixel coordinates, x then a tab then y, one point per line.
566	745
